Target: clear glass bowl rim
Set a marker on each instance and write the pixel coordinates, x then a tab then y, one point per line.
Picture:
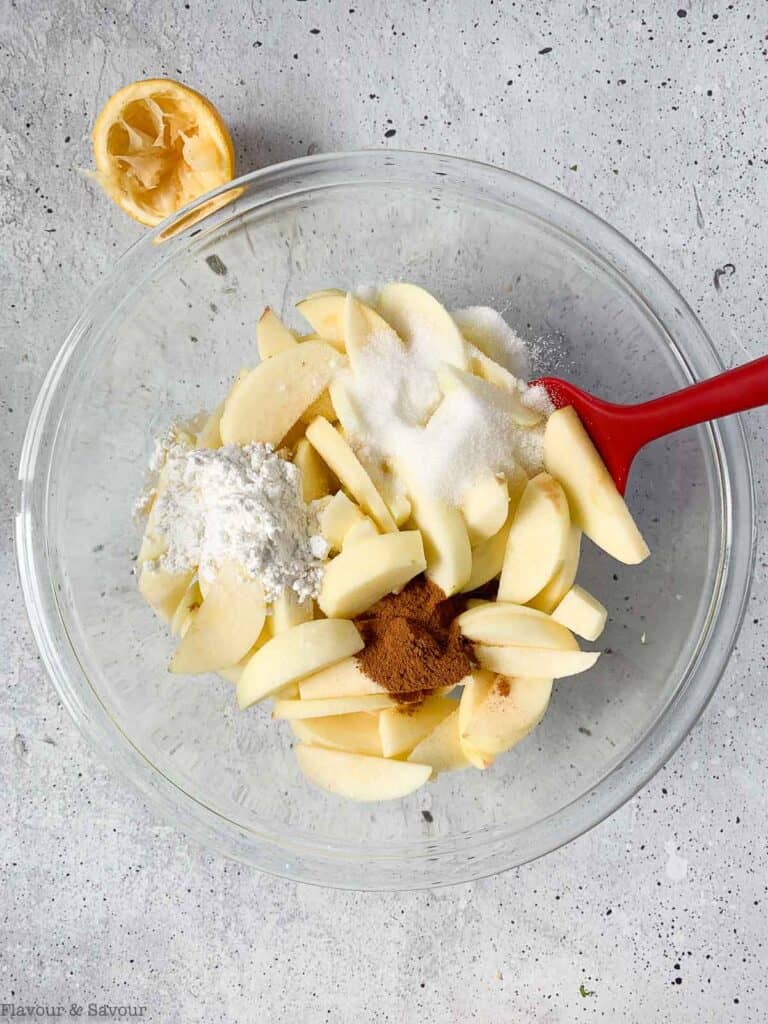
457	858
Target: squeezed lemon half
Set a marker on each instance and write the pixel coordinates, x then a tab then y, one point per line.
158	145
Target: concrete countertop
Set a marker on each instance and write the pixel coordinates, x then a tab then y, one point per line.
651	114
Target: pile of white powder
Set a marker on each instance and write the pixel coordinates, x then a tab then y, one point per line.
444	444
236	504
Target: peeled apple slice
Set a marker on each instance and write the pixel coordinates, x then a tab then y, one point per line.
362	324
401	729
446	543
337	518
358	777
210	434
442	749
476	689
506	399
295	654
537	540
499	624
226	625
288	611
345	679
325	312
484	507
316	479
272	336
363	574
535	662
355	733
549	598
158	145
364	530
345	408
266	403
293	709
582	613
189	604
411	310
322	406
596	506
332	447
511	709
163	590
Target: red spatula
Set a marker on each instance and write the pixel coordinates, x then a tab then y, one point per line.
620	431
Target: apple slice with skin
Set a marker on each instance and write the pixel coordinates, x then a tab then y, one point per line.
293	709
476	689
266	403
163	590
412	311
498	623
316	479
442	749
363	574
484	507
358	777
225	626
582	613
337	518
355	733
332	447
295	654
272	336
549	598
535	662
446	542
596	505
344	679
400	729
537	540
511	709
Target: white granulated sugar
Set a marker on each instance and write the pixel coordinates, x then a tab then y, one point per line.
236	504
494	337
442	443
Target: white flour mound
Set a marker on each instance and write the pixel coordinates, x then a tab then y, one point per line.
236	504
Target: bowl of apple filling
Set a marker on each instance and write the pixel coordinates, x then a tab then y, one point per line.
306	551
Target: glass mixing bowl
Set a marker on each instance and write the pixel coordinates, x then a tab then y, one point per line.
164	336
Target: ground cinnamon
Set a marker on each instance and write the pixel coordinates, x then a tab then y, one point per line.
413	644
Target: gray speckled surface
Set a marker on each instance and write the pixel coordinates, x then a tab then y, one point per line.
656	121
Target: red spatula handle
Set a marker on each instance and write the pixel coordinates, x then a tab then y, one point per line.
733	391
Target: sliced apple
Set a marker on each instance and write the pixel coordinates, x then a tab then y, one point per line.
582	613
325	312
361	326
535	662
364	530
337	518
419	318
487	329
399	506
293	709
225	626
446	542
355	733
190	602
537	540
163	590
345	407
332	447
363	574
476	689
596	505
316	478
288	611
484	507
295	654
400	729
358	777
511	709
272	336
549	598
345	679
209	435
499	623
507	400
270	399
442	749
